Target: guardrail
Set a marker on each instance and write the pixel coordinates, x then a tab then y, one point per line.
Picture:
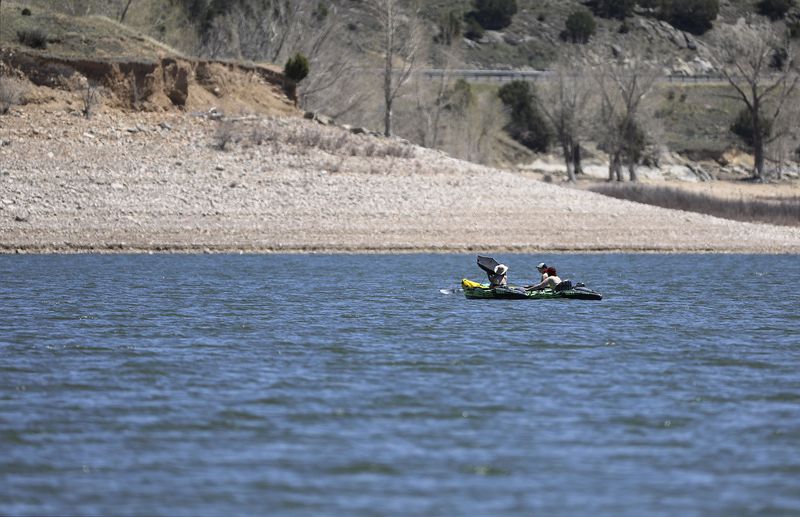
503	76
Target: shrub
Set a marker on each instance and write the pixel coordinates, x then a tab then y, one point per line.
26	11
774	9
321	11
779	59
580	26
794	28
473	29
32	38
743	127
91	99
296	68
494	14
619	9
693	16
527	126
11	91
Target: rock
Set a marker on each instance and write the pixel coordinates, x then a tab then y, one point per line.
319	118
164	125
22	217
616	51
359	131
703	66
690	43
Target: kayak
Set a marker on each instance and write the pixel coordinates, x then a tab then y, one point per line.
476	290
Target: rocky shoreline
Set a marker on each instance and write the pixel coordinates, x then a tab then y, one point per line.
167	182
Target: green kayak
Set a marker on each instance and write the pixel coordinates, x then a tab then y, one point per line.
477	290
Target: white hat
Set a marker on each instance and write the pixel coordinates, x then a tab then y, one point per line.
541	265
501	269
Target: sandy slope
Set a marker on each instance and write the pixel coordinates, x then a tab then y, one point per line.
68	184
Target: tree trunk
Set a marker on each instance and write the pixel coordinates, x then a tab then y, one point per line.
387	118
566	148
632	171
758	148
614	167
576	158
387	72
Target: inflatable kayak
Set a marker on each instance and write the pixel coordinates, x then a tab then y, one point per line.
510	292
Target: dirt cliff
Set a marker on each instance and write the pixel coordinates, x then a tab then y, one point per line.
165	84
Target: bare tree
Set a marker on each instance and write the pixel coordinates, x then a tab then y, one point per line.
433	92
471	120
124	11
622	87
272	30
565	100
400	45
750	57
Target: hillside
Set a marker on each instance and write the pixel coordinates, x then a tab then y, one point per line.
130	71
190	154
687	117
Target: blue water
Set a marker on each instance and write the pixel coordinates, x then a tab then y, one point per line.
350	385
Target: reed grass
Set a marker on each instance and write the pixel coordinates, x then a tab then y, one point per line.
783	211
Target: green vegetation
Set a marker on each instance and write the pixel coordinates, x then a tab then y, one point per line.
493	14
619	9
528	126
693	16
297	67
782	211
774	9
580	26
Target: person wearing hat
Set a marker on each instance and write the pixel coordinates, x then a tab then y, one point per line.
541	267
550	278
498	278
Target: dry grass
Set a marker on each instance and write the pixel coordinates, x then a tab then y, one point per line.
782	211
11	92
75	36
297	138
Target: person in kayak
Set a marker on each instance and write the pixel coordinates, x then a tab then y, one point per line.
498	278
542	268
550	278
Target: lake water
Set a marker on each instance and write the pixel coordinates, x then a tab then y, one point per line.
349	385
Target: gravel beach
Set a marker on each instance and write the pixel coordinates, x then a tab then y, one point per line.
164	182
